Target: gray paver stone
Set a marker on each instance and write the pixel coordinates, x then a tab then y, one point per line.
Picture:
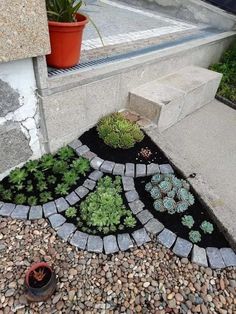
20	212
79	240
107	166
144	216
141	170
7	209
1	204
132	196
166	238
129	170
89	184
119	170
110	244
61	204
141	237
72	198
128	183
66	230
124	241
182	247
95	244
36	212
95	175
136	206
215	258
199	256
229	256
56	220
75	144
89	155
82	150
152	169
154	226
82	191
49	209
166	168
96	163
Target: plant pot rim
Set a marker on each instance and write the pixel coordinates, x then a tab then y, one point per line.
35	266
70	24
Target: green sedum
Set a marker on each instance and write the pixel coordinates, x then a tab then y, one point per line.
207	227
187	221
195	236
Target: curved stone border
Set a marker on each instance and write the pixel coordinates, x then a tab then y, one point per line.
127	169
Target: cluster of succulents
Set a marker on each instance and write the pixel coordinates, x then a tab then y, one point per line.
170	194
118	132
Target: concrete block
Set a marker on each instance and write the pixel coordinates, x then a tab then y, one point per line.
61	204
7	209
132	196
129	170
199	256
72	198
75	144
141	237
144	216
95	175
128	183
20	212
96	163
124	241
56	220
152	169
89	184
89	155
95	244
79	239
166	168
66	230
229	256
82	150
82	191
49	209
119	170
110	244
107	166
166	238
136	206
36	212
141	170
215	258
182	247
154	226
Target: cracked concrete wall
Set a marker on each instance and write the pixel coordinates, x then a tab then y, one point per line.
19	118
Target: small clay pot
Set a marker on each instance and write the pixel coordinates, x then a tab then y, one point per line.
40	291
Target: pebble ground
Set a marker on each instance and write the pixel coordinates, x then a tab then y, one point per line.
148	279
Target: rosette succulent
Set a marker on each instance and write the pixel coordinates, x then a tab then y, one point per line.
195	236
207	227
188	221
155	193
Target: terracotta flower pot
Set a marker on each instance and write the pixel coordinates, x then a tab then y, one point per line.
66	40
40	291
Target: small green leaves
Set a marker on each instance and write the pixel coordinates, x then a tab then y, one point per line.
130	221
71	212
20	199
207	227
65	153
195	236
17	176
188	221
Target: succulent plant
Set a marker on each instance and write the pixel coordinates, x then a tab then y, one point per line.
191	199
158	205
156	179
177	182
71	212
148	186
195	236
172	193
165	186
169	204
65	153
207	227
181	206
32	200
20	199
130	221
183	194
155	193
188	221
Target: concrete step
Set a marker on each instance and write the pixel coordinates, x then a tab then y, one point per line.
171	98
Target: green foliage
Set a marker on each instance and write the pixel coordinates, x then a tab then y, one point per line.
129	222
17	176
70	177
32	200
63	10
6	195
65	153
170	193
195	236
81	165
47	162
39	176
207	227
51	180
104	208
227	66
188	221
42	186
71	212
60	167
32	165
20	199
118	132
45	197
62	189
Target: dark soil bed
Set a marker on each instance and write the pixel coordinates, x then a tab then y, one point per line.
173	222
97	232
96	145
39	284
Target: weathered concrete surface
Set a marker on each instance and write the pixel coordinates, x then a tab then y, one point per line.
14	146
204	143
9	99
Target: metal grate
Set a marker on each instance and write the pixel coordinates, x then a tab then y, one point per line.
89	64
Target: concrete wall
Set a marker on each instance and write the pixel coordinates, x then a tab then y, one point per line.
191	10
19	134
74	102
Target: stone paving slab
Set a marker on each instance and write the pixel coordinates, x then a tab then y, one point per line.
107	166
132	196
128	183
82	150
182	247
152	169
95	175
141	170
96	163
49	209
199	256
215	258
82	191
7	209
89	155
95	244
119	169
89	184
166	168
36	212
154	226
110	244
72	198
20	212
124	241
141	237
56	220
136	206
129	170
61	204
75	144
144	216
66	230
79	240
229	257
167	238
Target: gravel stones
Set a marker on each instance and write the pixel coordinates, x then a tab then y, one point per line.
153	226
229	256
79	240
20	212
7	209
124	241
199	256
182	247
166	238
215	258
49	209
56	220
66	230
110	244
72	198
61	204
95	244
141	237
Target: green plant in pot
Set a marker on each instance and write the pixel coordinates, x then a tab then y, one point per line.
66	27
